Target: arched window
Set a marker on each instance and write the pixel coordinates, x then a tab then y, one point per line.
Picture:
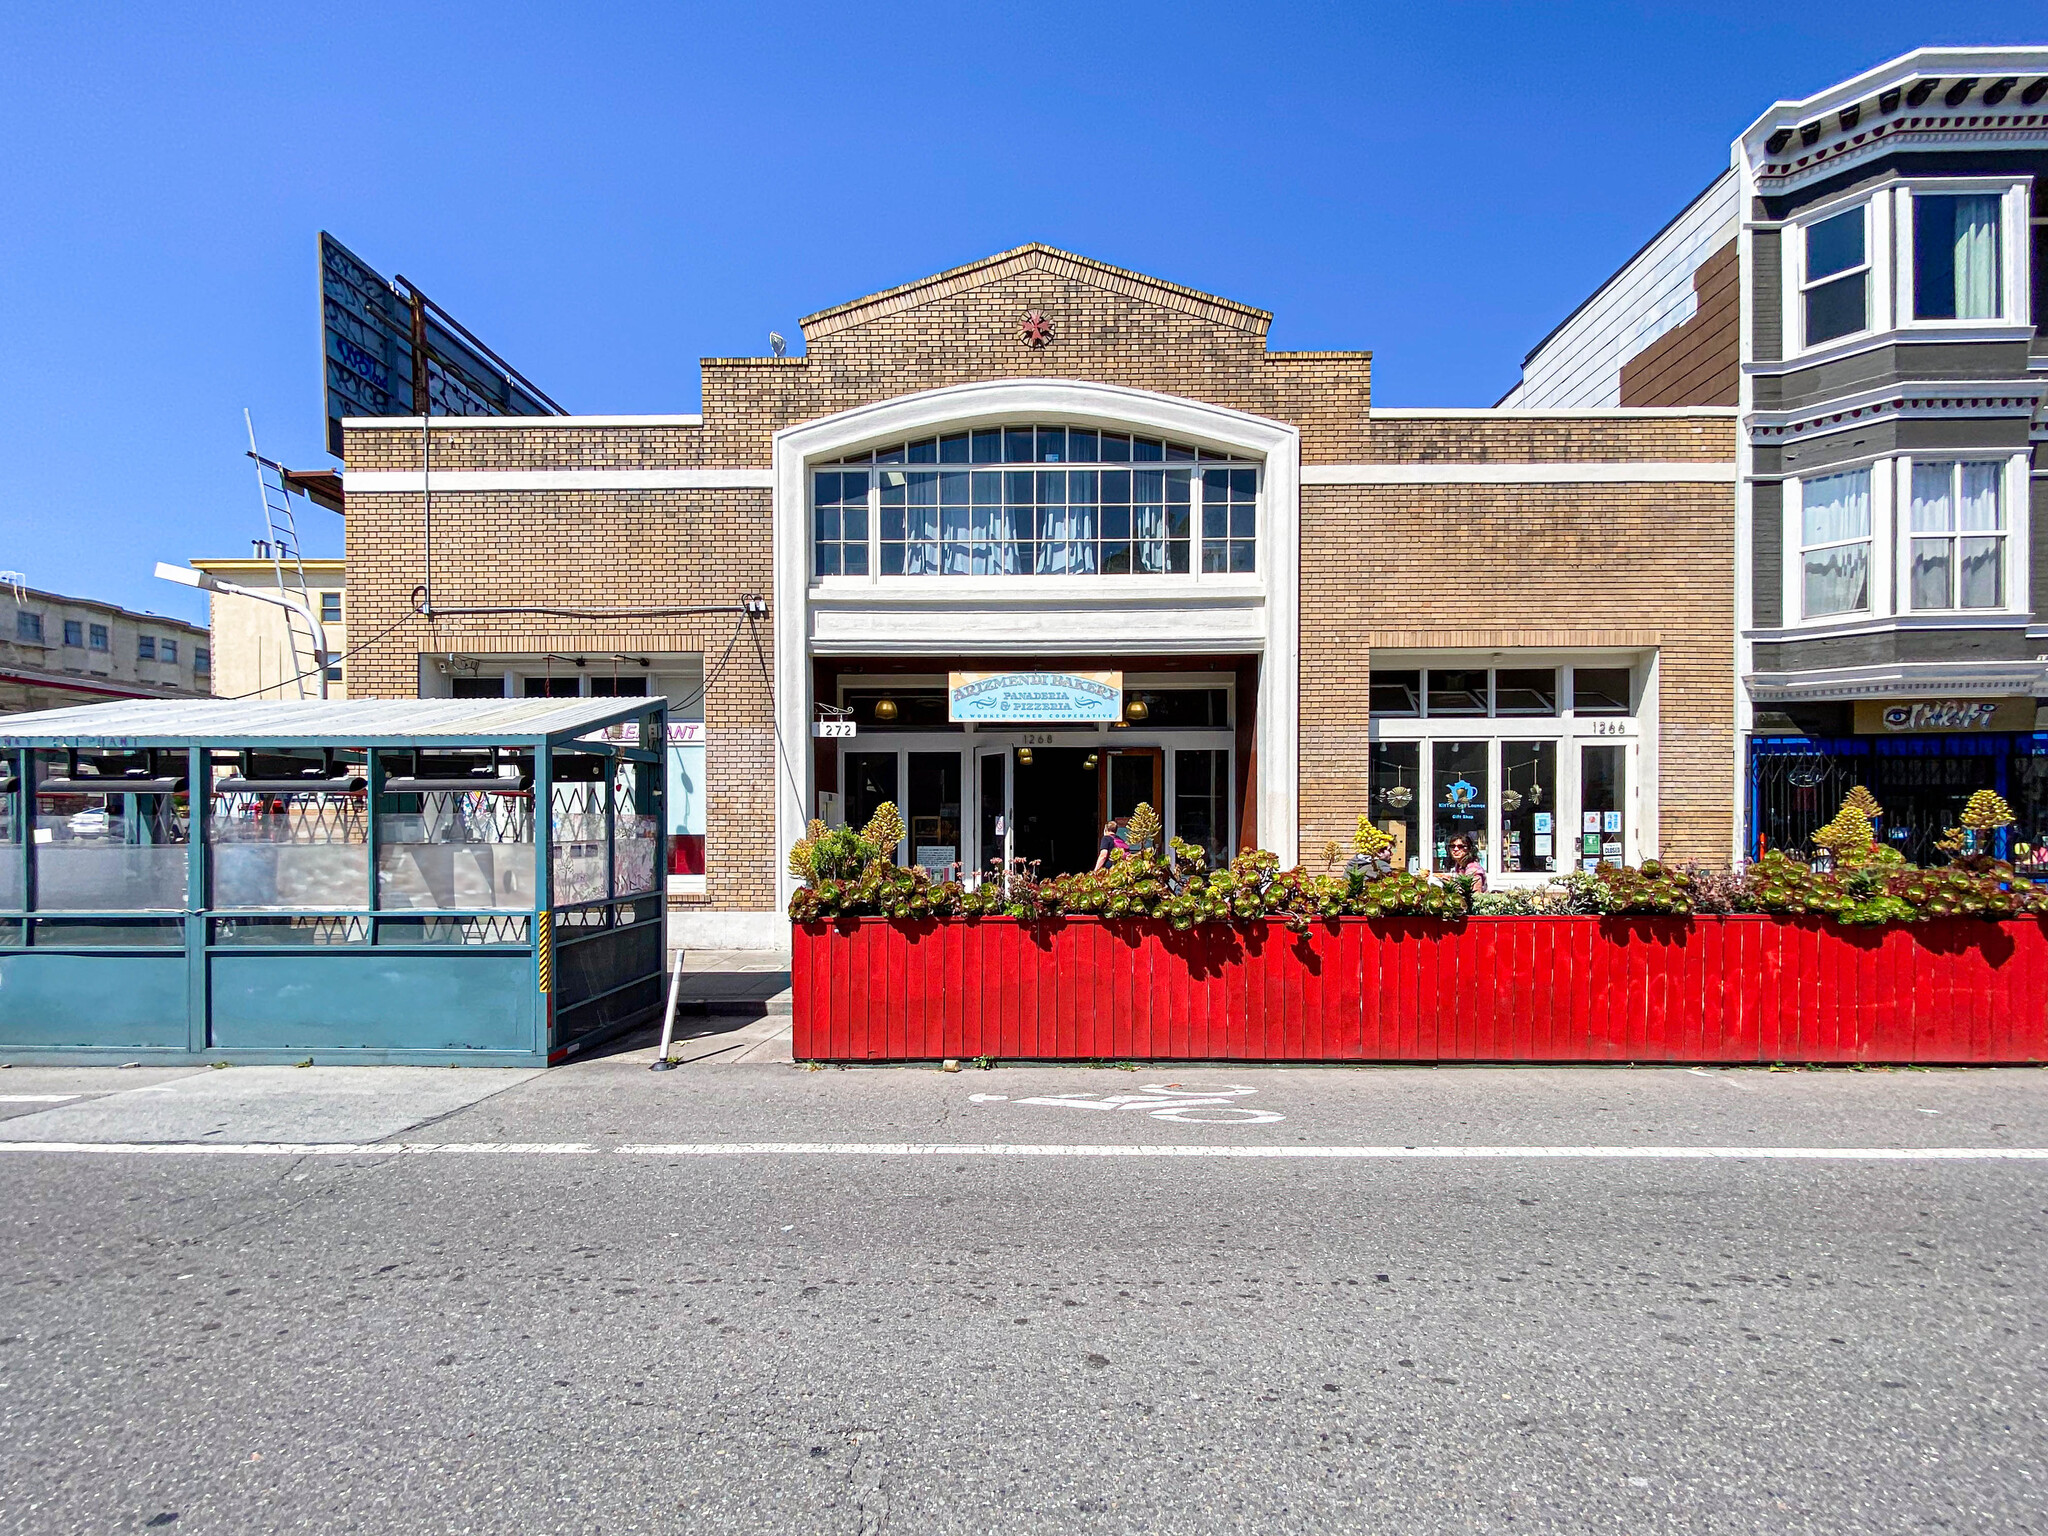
1034	500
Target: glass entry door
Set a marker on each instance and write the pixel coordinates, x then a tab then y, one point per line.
992	792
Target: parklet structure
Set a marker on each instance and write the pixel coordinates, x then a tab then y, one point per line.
434	882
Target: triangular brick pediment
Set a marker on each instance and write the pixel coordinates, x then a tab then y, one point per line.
1035	258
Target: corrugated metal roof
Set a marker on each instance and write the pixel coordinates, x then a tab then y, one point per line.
340	722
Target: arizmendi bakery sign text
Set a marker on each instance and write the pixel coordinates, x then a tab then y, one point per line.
1035	698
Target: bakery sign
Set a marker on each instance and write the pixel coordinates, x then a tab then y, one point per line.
1035	698
1905	717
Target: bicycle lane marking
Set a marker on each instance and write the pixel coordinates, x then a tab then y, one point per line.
1157	1101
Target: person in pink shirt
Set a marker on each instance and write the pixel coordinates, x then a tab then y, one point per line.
1464	859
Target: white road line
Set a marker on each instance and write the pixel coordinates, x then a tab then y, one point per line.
1034	1149
1026	1149
39	1098
301	1148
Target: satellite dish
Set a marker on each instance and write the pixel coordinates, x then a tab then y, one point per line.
777	345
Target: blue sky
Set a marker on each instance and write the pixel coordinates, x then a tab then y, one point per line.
607	193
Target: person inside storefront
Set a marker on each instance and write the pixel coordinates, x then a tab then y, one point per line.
1113	843
1462	856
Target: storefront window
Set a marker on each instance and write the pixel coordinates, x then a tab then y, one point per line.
1602	827
1528	805
1600	690
1463	692
1396	794
1140	506
686	808
1201	804
870	780
935	812
1461	801
1526	691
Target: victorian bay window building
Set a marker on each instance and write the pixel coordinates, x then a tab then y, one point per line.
1020	545
1865	283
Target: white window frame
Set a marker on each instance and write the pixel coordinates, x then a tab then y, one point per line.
1566	730
2015	237
1877	284
1878	599
1089	581
2014	497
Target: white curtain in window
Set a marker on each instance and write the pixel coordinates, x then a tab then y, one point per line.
1833	511
1835	507
1931	486
1977	258
1980	510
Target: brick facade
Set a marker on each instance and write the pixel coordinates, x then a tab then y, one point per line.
1565	561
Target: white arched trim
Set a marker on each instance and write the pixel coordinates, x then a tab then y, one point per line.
1049	615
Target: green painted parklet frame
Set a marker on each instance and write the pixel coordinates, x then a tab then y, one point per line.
357	979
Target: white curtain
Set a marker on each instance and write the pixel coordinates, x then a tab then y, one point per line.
1977	258
1835	510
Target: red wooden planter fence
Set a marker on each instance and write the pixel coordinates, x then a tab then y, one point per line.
1707	989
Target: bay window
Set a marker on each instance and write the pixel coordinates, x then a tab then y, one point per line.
1834	544
1835	293
1957	537
1957	259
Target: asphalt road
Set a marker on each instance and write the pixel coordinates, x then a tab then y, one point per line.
504	1338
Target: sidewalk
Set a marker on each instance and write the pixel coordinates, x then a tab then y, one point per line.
733	1009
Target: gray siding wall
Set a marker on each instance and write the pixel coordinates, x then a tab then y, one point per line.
1991	435
1890	364
2038	529
1885	646
1767	554
1767	322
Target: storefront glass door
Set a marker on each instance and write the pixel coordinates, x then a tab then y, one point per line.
934	812
992	776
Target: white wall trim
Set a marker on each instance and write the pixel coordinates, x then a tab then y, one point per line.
999	400
464	423
358	482
1546	413
1603	473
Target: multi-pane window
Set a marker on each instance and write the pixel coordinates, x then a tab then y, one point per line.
145	648
839	522
1958	536
330	607
167	651
202	659
1089	503
1837	286
1956	257
1834	544
74	632
1230	499
98	632
28	626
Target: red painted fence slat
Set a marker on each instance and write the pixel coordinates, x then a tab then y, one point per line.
1709	989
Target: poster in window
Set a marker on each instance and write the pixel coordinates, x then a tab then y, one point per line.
1590	822
1610	821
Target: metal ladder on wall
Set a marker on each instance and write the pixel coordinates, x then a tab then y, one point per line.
281	537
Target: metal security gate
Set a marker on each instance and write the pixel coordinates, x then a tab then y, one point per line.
1796	784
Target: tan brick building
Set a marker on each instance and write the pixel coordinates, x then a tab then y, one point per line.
1299	609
